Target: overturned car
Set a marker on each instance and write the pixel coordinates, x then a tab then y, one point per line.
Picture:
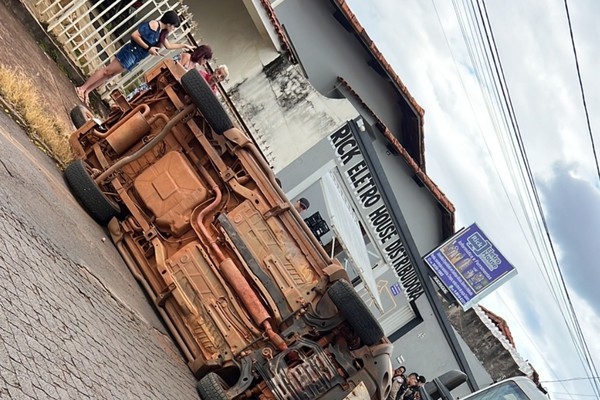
257	307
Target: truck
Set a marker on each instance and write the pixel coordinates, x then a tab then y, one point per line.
257	307
514	388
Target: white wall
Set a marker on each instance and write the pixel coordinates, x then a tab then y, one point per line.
228	28
286	115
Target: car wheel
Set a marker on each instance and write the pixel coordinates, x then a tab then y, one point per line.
83	187
80	115
206	101
212	387
356	312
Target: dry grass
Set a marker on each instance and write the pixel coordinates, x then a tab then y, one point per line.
19	91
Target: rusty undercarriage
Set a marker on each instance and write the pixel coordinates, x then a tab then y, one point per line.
257	307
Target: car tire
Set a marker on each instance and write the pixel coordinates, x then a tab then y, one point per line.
83	187
356	312
80	115
206	101
212	387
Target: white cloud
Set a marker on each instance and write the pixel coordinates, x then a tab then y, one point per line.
573	207
534	44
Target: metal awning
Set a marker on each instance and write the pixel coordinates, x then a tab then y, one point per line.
346	228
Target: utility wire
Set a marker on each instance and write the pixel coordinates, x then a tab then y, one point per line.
587	115
479	127
522	155
517	131
572	379
518	153
574	394
560	291
508	101
519	168
484	77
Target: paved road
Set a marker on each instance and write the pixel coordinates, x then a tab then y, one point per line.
73	322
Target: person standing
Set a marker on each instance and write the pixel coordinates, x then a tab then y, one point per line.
301	205
219	75
147	39
397	382
421	381
409	387
189	59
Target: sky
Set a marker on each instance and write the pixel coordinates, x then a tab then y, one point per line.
465	155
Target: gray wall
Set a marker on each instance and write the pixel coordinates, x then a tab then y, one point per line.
424	348
419	207
326	51
482	376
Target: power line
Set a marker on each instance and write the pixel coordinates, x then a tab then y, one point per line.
517	147
574	394
587	115
494	121
484	77
573	379
508	101
516	130
559	291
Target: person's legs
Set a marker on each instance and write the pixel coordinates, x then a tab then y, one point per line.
98	78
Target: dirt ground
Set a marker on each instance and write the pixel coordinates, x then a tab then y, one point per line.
21	50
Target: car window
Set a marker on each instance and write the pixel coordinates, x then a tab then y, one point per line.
505	391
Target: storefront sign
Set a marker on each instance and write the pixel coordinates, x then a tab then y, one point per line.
370	205
470	266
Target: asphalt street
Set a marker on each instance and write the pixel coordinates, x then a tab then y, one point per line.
74	324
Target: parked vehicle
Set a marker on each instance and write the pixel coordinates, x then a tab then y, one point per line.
258	308
515	388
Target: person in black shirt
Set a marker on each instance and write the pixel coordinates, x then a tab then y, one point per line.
409	388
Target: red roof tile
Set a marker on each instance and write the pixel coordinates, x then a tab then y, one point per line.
501	324
418	166
283	39
368	42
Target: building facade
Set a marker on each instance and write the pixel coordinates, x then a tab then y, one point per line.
340	129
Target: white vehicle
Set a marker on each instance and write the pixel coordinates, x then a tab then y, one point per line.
516	388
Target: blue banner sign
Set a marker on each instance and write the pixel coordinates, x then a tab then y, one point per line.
470	266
